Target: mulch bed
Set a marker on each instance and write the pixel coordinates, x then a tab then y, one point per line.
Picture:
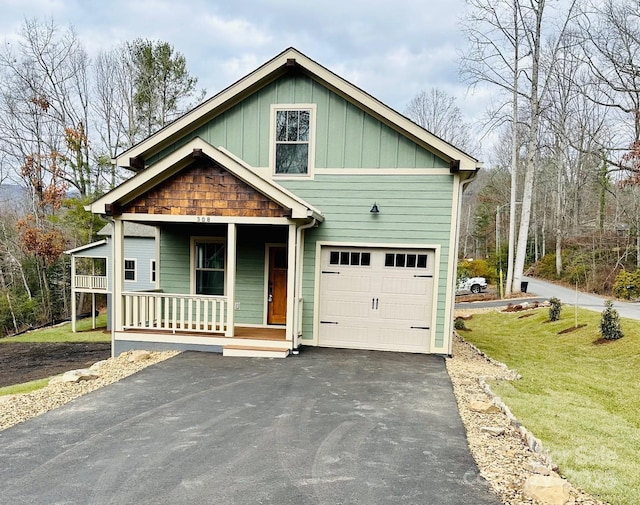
572	328
23	362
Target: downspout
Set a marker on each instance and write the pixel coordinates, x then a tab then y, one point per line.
462	186
297	296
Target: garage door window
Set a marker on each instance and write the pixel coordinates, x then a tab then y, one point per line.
362	259
403	260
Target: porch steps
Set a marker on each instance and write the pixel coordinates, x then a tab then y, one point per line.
255	351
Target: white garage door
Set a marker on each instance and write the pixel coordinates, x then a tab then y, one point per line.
373	298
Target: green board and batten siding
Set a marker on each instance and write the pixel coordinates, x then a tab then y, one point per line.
346	136
414	209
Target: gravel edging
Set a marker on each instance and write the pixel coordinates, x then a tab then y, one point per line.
17	408
506	459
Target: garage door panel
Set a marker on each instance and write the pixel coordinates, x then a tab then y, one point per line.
410	338
385	304
411	313
347	282
406	285
338	308
344	334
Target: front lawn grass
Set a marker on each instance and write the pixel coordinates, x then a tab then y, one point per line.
63	333
25	387
580	398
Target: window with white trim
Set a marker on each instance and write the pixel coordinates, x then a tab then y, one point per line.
209	266
292	137
129	269
152	270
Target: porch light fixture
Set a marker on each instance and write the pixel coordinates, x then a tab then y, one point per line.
374	208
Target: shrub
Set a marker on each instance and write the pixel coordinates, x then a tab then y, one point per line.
627	285
476	268
555	309
545	267
610	323
458	324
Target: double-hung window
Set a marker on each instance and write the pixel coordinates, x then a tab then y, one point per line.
209	267
129	269
293	140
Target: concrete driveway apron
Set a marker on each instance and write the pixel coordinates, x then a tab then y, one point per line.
325	427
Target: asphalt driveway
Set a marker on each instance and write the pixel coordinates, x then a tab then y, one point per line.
325	427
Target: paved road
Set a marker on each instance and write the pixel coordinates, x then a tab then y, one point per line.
325	427
543	290
584	300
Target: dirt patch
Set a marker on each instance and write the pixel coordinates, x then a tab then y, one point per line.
572	328
23	362
604	341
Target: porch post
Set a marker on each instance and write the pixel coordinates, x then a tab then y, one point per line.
231	279
93	294
73	293
291	285
118	274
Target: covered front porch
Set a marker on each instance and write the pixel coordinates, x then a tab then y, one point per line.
233	286
229	252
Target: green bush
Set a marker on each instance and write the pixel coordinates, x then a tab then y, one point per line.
546	267
458	324
610	323
627	285
555	309
476	268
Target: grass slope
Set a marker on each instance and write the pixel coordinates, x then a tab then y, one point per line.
581	399
62	333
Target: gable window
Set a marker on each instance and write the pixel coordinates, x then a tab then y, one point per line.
129	269
209	267
292	141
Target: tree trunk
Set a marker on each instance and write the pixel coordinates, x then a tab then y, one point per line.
514	154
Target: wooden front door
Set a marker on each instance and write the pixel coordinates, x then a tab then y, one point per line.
277	289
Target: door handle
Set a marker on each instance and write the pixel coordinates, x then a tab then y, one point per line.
376	304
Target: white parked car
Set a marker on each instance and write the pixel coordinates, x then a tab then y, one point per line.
473	285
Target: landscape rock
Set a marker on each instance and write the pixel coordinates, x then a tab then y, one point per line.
99	364
134	356
496	432
484	407
83	374
548	490
538	468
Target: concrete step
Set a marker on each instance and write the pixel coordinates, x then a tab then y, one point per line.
255	351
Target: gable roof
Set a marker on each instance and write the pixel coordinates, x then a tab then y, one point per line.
278	66
85	247
181	158
131	229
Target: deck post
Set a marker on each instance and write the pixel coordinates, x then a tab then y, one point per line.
73	294
231	278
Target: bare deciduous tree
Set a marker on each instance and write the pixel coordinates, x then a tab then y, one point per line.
437	111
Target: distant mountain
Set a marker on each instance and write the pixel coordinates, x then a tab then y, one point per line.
12	197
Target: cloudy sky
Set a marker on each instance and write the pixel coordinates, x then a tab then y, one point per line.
390	48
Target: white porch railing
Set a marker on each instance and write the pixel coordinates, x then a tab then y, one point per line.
145	310
90	282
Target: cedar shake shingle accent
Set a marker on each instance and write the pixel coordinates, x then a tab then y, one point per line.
205	189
